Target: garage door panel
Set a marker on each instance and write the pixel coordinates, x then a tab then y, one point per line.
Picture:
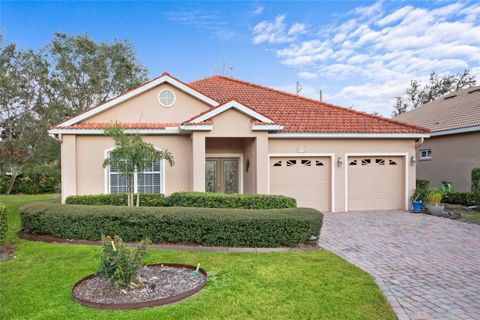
375	183
305	179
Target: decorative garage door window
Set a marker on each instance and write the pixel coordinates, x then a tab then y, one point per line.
375	161
299	162
147	181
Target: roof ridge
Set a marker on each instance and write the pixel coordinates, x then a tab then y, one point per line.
325	104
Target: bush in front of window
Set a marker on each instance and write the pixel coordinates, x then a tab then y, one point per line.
120	199
203	226
234	201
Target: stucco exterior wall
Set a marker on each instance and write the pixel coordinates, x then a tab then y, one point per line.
453	158
340	147
146	108
83	156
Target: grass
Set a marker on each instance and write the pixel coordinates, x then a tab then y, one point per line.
37	282
471	217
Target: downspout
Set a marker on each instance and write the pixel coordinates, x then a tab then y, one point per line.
419	142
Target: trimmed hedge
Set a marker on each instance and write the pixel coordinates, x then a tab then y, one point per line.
211	227
146	199
234	200
476	180
463	198
3	224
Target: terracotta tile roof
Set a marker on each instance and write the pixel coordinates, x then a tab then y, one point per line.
139	125
297	113
453	111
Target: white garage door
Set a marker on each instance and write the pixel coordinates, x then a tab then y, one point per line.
376	183
306	179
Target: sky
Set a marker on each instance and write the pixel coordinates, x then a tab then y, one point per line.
361	54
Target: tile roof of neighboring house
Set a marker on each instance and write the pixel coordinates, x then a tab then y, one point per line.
125	125
456	110
297	113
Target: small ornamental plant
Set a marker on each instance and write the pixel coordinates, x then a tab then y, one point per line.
121	264
435	197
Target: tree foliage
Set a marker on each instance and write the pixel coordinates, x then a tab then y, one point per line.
39	89
131	154
437	86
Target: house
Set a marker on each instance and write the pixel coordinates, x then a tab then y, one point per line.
454	147
229	135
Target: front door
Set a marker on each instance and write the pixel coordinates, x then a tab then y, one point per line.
221	175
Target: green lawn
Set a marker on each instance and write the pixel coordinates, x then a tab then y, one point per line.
37	282
471	217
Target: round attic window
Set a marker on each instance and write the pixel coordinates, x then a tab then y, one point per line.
166	97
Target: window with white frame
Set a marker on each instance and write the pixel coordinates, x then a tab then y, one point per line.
149	180
426	154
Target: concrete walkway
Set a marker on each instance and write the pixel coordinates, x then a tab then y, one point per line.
427	267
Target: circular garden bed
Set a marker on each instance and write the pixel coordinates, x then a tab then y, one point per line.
159	284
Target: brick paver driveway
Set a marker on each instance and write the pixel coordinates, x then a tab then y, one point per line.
427	267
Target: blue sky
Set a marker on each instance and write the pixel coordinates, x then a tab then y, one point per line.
360	53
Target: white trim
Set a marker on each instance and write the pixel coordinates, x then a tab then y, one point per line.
196	127
350	135
167	105
240	165
232	104
163	79
379	154
106	178
167	130
299	155
266	127
454	131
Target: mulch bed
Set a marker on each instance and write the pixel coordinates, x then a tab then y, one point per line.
162	284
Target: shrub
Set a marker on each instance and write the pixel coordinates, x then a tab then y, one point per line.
234	201
435	197
146	199
463	198
3	224
421	191
476	181
120	264
204	226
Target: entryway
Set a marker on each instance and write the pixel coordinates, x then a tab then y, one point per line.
222	175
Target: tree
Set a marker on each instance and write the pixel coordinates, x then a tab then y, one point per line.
22	77
41	88
84	73
130	155
416	95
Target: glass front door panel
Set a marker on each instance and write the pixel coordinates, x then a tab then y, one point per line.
221	175
230	176
211	176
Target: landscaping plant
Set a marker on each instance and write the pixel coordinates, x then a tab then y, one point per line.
3	224
476	181
131	155
204	226
435	197
121	264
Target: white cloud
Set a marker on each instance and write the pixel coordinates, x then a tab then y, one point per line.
374	51
307	75
257	9
199	20
277	31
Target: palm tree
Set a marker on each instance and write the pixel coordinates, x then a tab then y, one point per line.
131	155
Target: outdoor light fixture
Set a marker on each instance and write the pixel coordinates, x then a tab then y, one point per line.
413	160
339	162
313	238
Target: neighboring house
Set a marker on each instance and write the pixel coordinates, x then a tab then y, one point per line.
229	135
454	147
